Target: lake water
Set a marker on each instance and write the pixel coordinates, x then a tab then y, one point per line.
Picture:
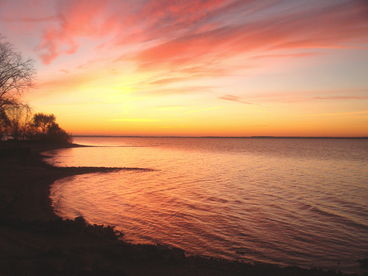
284	201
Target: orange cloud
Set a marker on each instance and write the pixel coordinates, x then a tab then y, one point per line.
66	82
233	98
178	90
167	80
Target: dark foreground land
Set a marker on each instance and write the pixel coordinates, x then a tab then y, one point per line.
34	241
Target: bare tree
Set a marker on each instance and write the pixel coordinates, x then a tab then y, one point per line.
18	121
16	75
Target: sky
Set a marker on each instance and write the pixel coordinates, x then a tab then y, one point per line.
196	67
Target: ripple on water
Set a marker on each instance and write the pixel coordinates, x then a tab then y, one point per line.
289	202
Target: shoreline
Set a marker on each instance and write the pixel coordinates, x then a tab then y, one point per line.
34	240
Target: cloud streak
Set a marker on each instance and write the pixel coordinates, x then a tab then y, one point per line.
233	98
330	28
183	31
343	98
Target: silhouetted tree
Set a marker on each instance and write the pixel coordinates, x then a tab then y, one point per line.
17	121
45	128
43	122
16	75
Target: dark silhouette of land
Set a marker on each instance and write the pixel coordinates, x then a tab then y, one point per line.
34	241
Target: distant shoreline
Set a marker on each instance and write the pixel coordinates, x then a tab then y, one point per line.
226	137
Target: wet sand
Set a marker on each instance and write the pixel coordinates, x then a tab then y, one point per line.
34	241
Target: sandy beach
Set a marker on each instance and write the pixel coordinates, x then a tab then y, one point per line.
34	241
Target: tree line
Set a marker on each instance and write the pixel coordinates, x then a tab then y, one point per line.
16	119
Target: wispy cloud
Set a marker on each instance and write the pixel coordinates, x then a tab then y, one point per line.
139	120
341	98
168	80
360	113
233	98
312	95
289	55
183	31
68	82
337	26
178	90
27	19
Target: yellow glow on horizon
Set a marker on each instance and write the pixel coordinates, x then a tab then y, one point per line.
120	72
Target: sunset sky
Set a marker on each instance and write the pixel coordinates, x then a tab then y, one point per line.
196	67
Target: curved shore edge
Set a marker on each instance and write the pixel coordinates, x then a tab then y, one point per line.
35	241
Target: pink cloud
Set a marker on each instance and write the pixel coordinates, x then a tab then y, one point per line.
28	19
329	28
130	21
76	19
203	30
342	98
174	10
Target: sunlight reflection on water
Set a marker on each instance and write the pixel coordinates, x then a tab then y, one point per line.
283	201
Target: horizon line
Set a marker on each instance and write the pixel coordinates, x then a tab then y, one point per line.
224	137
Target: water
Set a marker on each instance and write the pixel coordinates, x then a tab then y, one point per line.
283	201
